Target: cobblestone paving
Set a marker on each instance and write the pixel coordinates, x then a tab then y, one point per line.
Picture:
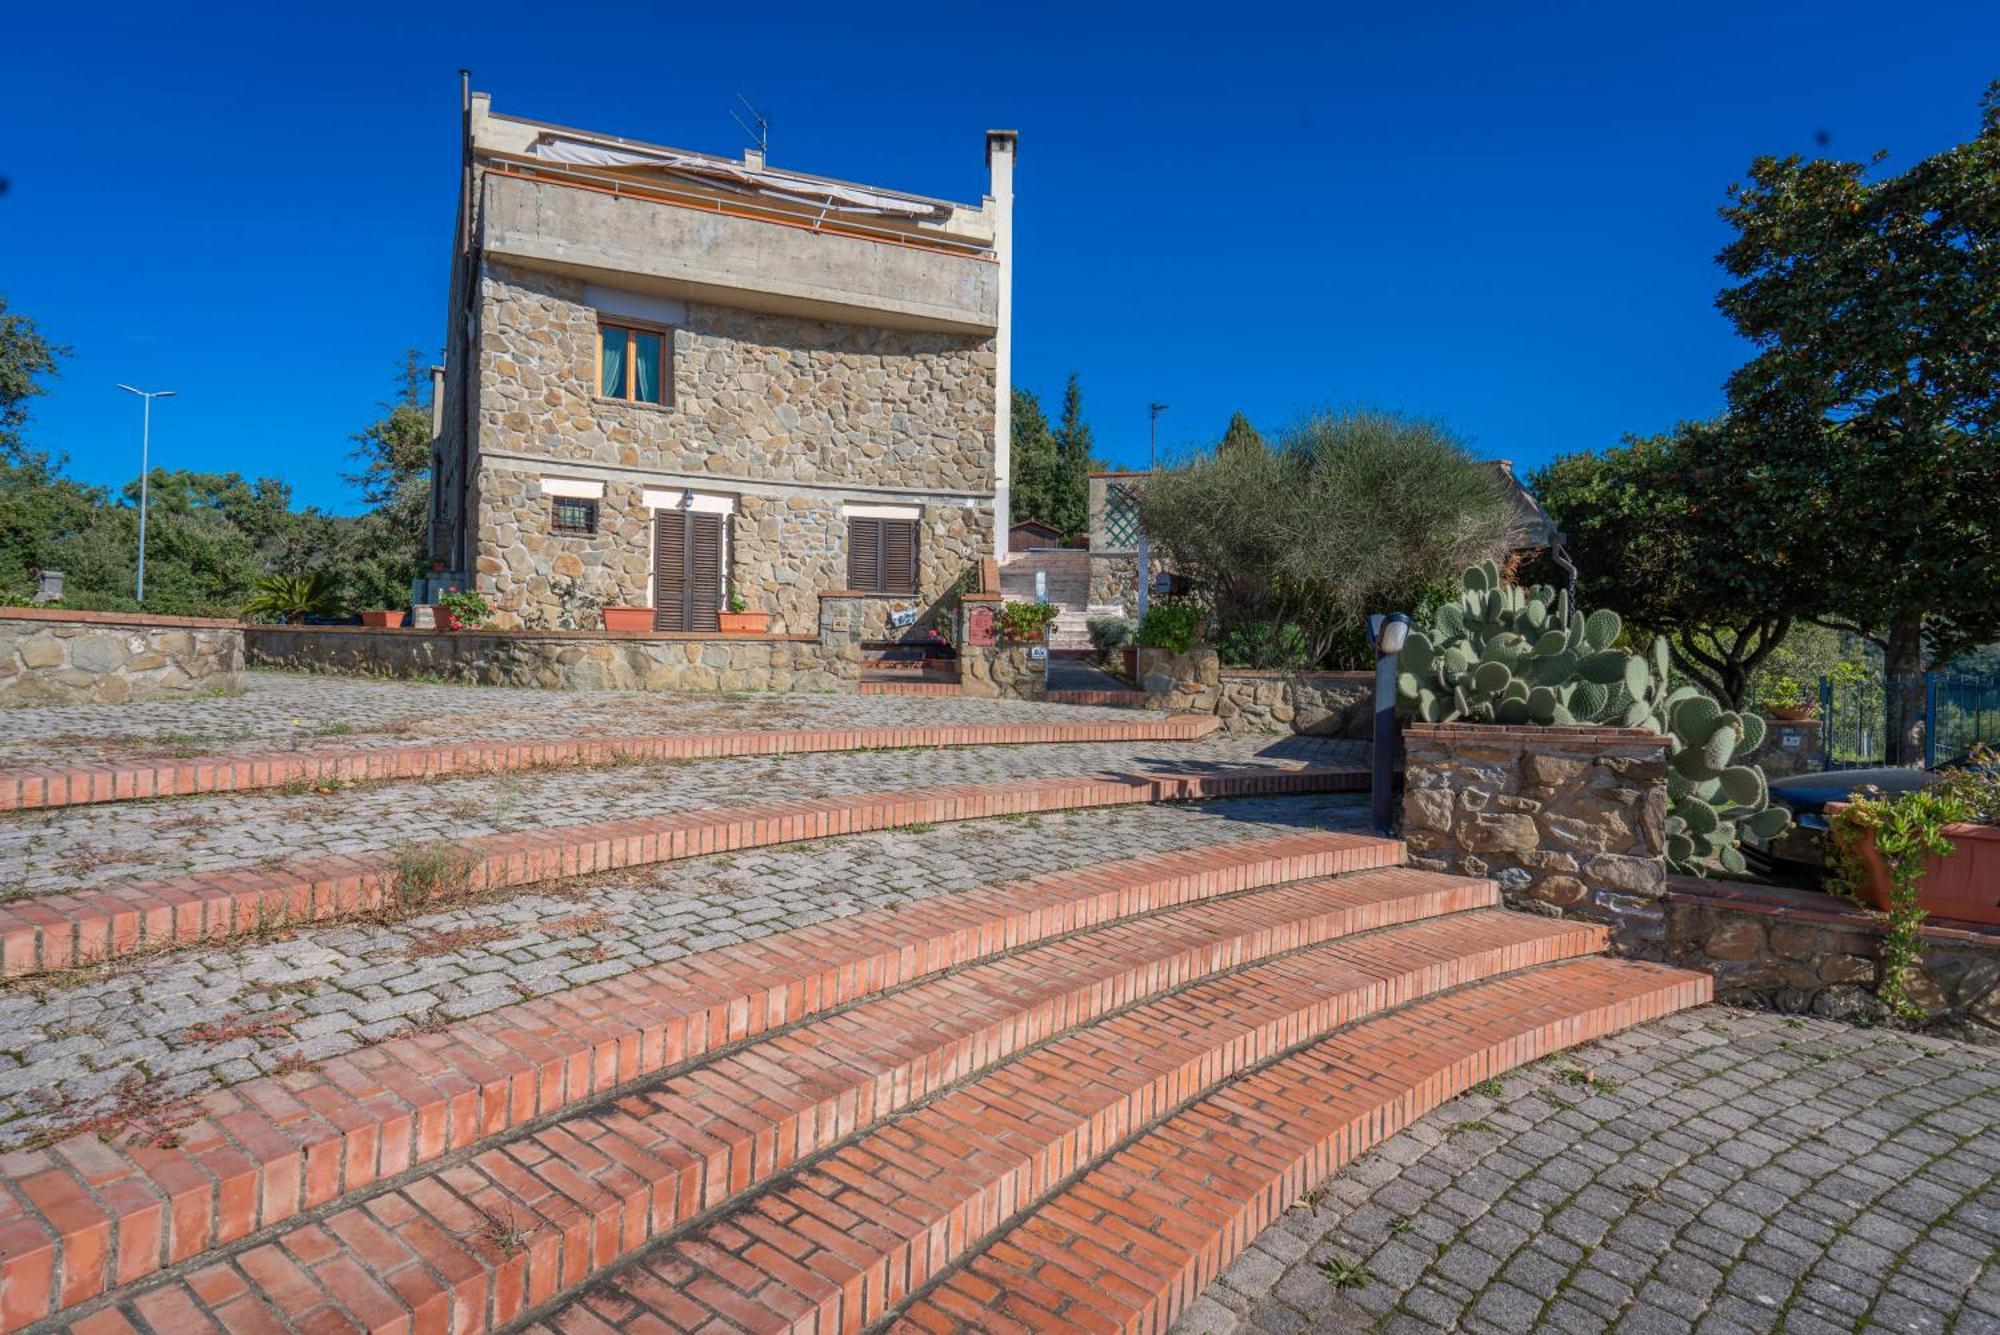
66	848
127	1042
1717	1171
285	711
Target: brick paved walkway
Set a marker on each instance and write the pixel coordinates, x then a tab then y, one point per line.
288	710
72	848
204	1019
1715	1171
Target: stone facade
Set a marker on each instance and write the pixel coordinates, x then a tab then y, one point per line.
57	657
1803	952
1004	671
788	417
1569	821
1189	683
566	660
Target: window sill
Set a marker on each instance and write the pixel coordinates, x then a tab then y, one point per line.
634	404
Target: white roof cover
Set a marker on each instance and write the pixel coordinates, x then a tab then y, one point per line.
781	185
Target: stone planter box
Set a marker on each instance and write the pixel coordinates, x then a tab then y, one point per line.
1963	886
1569	821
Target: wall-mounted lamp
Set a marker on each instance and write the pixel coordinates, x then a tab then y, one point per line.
687	498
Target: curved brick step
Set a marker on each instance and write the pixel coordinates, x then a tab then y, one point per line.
841	1242
55	932
83	1213
574	1195
42	786
1130	1243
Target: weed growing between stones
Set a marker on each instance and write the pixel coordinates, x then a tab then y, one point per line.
429	874
1345	1275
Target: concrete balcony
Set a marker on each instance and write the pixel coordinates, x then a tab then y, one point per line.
733	258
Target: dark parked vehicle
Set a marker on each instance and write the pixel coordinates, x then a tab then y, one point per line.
1800	854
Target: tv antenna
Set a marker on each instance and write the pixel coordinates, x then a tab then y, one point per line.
758	127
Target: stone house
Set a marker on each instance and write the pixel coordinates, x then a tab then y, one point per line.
671	377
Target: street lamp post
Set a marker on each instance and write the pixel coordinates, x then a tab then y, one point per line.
145	473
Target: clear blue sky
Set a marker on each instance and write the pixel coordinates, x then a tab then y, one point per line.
1506	220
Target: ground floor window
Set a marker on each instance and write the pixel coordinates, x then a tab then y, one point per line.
572	514
882	555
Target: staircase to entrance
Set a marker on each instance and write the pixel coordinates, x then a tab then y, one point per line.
1065	581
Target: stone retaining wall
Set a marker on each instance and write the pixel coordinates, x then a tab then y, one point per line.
52	656
565	660
1803	952
1569	821
1323	704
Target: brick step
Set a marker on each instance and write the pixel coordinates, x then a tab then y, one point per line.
1128	1244
909	687
56	932
84	1213
600	1183
118	781
1108	699
841	1242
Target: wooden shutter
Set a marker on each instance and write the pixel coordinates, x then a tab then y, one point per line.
864	553
704	583
669	570
899	556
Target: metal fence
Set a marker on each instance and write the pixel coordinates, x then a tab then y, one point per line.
1959	712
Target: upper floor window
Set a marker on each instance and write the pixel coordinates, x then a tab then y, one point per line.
632	363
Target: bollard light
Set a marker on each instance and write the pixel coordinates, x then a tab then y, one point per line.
1389	634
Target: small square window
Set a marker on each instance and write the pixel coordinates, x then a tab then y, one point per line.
570	514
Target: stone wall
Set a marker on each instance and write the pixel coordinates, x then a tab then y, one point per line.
1004	671
790	416
1323	704
1114	580
1569	821
565	660
1790	748
1804	952
50	656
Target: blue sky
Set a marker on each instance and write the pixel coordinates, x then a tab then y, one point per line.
1504	220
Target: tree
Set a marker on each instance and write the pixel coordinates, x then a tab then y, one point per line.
1702	535
1875	306
1240	435
1033	455
388	547
1074	451
1352	513
25	358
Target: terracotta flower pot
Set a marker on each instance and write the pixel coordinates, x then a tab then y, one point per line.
628	619
393	617
1964	885
743	623
1795	714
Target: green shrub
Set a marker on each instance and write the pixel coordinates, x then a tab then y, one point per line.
293	598
1264	644
1171	625
1026	623
1110	634
462	609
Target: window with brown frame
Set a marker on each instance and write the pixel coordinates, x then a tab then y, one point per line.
634	362
572	514
882	555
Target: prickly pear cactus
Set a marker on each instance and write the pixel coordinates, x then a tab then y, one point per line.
1507	655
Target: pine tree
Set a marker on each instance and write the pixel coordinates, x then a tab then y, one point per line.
1070	504
1034	460
1239	434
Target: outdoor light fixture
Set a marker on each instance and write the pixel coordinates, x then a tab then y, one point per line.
687	498
1389	634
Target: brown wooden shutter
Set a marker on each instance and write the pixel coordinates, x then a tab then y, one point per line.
704	572
864	553
899	556
669	570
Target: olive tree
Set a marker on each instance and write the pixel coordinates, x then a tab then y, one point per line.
1347	513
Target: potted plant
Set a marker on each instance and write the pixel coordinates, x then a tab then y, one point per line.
1026	623
1935	850
738	620
628	620
1786	698
462	609
382	618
